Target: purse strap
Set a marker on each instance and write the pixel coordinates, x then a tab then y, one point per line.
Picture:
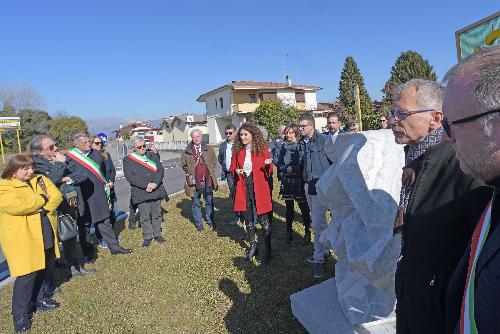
42	184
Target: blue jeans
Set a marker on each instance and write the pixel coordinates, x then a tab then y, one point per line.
208	195
232	190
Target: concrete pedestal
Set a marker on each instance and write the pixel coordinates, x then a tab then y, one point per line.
317	308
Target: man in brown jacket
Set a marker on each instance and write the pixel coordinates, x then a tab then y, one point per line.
199	161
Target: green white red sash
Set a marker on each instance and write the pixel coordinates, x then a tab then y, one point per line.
90	165
467	321
143	161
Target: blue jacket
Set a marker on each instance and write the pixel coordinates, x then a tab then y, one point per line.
275	147
313	161
222	159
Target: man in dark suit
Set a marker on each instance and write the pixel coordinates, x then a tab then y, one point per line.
472	126
334	125
95	208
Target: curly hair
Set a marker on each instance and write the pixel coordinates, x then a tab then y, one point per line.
259	145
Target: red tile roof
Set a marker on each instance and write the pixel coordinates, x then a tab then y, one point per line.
257	85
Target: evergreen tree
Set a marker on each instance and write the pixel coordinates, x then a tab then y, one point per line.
350	77
409	65
63	128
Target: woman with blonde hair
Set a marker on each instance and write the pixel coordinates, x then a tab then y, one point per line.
251	167
28	236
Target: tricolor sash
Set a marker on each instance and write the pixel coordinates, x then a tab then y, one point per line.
90	165
143	161
467	321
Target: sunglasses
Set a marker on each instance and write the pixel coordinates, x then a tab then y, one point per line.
229	133
447	124
98	143
401	114
382	120
140	147
52	146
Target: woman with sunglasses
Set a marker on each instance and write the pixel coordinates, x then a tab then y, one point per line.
28	236
110	173
251	167
292	185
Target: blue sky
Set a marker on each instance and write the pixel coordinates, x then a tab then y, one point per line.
154	58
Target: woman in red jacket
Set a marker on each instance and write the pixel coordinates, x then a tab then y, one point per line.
251	166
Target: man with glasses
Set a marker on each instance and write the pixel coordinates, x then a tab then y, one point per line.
145	175
50	162
96	197
432	213
313	163
472	124
224	158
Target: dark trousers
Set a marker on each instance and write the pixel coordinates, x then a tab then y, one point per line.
29	288
290	214
108	233
70	253
88	249
151	218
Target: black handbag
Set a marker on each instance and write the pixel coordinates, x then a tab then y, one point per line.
66	227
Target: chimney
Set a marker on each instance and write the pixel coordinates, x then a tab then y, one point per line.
288	79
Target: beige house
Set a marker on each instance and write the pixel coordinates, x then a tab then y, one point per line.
232	103
178	128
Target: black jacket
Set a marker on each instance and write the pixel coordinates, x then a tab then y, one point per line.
95	200
139	176
55	171
487	278
436	232
221	157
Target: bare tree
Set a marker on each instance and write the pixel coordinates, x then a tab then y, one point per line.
21	96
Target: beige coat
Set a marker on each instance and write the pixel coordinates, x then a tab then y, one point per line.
188	165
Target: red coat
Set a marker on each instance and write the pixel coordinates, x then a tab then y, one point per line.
260	172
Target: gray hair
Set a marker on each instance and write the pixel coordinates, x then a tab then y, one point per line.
281	128
485	85
136	140
262	129
429	94
36	144
194	131
78	136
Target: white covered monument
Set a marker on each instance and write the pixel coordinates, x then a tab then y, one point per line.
362	190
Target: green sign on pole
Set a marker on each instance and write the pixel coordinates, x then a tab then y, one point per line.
481	34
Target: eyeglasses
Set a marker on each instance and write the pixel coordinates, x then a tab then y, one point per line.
98	143
140	147
52	146
382	120
447	124
401	114
301	126
229	133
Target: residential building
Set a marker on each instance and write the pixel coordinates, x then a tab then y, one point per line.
139	128
234	102
178	128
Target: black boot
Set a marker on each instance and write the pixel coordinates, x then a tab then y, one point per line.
289	235
306	217
252	250
307	237
267	240
22	323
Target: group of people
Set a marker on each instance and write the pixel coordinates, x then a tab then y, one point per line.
36	190
447	275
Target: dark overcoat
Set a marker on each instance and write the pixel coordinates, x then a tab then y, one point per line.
96	205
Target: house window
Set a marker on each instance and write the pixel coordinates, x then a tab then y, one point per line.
252	98
268	96
215	103
160	133
300	97
221	103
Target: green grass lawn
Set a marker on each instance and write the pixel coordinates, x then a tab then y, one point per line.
196	283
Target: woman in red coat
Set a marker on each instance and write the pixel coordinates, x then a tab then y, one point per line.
251	166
